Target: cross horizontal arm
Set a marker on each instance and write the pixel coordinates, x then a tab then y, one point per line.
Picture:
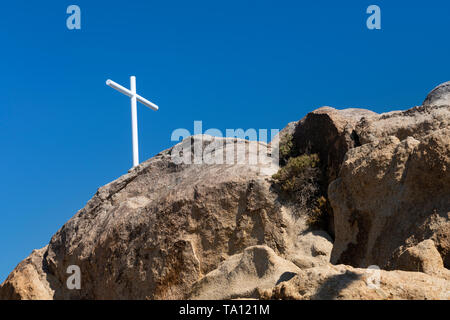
127	92
147	103
119	88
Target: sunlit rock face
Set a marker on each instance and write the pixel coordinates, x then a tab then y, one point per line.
439	95
219	230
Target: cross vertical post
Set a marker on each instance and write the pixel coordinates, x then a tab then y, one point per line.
134	99
134	127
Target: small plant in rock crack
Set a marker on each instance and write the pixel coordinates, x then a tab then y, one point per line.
299	181
298	170
286	148
318	217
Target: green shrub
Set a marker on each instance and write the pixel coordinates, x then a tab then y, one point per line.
291	177
299	182
318	217
286	147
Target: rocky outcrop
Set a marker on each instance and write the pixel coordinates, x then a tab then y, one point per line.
204	228
423	257
28	281
259	273
157	230
329	133
416	122
242	275
346	283
259	268
439	95
392	194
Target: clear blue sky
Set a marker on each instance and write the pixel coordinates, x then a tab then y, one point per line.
231	64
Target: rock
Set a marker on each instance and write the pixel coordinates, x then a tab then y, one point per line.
28	281
392	194
203	229
346	283
157	230
330	133
423	257
311	249
242	275
439	95
286	131
416	122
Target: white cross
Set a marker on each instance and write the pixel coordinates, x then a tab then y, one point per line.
134	97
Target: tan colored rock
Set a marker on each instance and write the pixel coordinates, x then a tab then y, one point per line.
168	230
347	283
28	281
416	122
392	194
330	133
423	257
242	275
311	249
157	230
439	95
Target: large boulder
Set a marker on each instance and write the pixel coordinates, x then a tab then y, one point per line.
203	229
392	194
259	267
423	257
347	283
311	249
157	230
244	274
439	95
28	281
330	133
416	122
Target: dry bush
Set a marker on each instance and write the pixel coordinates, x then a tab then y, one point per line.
299	182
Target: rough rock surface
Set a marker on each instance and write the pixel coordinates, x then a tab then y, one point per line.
423	257
242	275
28	281
347	283
155	231
392	194
330	133
416	122
171	230
439	95
311	249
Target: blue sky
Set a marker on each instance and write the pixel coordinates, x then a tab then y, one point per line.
231	64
